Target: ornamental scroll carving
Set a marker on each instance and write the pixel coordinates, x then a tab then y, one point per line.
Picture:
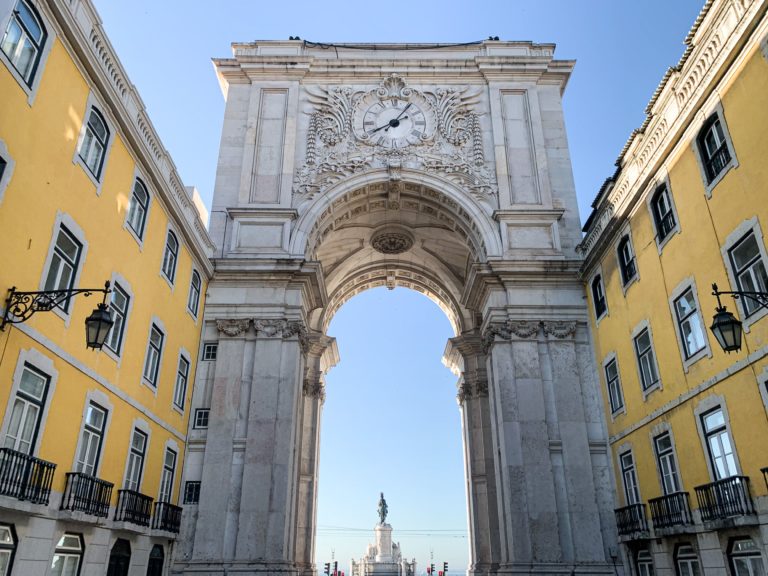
560	330
282	328
453	149
232	326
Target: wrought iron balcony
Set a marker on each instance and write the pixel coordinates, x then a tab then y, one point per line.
725	498
85	493
166	517
671	510
133	507
25	477
631	519
717	161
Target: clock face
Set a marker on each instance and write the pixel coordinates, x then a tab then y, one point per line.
393	123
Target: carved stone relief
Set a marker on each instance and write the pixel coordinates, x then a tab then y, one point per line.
450	145
232	326
527	329
281	328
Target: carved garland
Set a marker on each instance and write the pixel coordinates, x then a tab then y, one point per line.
281	328
232	327
526	329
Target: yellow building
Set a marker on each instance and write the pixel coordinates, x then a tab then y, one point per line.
92	442
686	208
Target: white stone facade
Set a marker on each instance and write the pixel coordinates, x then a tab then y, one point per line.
444	169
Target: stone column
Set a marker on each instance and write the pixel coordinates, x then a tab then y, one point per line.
321	357
481	488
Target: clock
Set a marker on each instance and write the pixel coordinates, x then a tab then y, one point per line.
393	122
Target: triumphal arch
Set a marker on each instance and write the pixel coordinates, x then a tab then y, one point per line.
440	168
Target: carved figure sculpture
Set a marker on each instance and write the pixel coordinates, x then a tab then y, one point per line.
383	509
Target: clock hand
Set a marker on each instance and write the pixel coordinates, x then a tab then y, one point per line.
403	112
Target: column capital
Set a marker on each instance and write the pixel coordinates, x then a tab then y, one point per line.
314	389
232	327
282	328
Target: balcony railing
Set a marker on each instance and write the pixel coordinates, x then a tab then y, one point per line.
671	510
133	507
25	477
725	498
631	519
166	517
88	494
717	161
666	224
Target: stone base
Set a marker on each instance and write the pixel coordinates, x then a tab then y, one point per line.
234	567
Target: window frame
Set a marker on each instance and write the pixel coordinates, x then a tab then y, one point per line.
685	553
662	187
192	492
733	556
158	350
757	260
720	431
708	120
596	285
84	444
138	234
29	87
167	476
63	260
170	275
625	240
644	327
629	472
41	403
67	551
133	456
611	359
117	287
7	171
194	309
680	291
200	414
183	359
644	561
9	548
205	356
668	456
96	172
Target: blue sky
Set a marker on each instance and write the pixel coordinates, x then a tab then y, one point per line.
391	422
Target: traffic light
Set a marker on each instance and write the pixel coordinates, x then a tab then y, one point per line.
335	569
327	568
445	568
429	570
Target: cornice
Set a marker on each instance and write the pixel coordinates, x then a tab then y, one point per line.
83	33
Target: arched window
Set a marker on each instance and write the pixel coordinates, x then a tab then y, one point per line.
156	561
195	286
686	561
644	563
137	209
713	148
94	144
119	558
24	39
171	256
663	216
598	296
745	558
626	261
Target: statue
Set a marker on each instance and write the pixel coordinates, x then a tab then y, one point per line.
383	509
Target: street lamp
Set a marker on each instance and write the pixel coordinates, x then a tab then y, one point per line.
21	306
725	326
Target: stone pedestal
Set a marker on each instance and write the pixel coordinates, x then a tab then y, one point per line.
383	543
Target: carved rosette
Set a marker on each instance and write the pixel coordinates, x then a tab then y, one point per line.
232	327
560	329
314	390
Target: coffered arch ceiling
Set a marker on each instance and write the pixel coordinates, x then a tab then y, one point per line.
397	233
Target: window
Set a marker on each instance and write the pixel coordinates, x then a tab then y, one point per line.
719	446
94	145
64	262
137	209
3	165
598	296
135	460
631	489
201	417
119	307
713	148
745	558
182	374
749	269
154	350
626	261
195	286
209	351
644	563
23	40
191	492
665	458
687	561
614	386
27	407
166	479
68	555
649	375
170	256
663	216
92	438
7	548
689	325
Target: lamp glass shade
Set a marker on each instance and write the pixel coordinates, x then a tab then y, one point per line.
97	327
727	330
